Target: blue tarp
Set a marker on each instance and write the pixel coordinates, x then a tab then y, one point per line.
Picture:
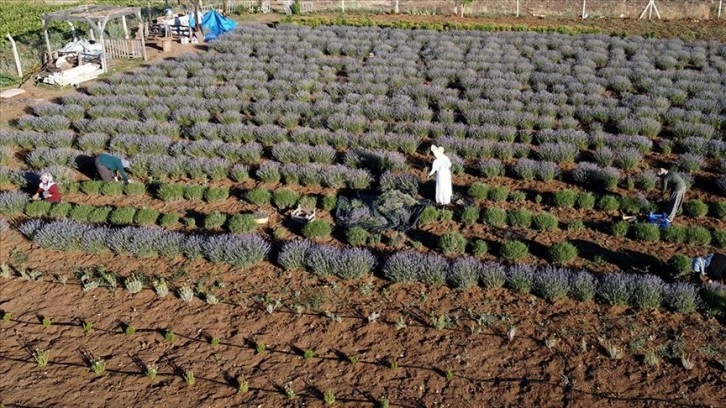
214	24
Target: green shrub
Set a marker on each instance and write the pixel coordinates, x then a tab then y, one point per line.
643	231
69	186
562	252
258	196
60	210
428	215
498	193
445	215
679	265
695	208
308	202
169	220
608	203
674	233
356	236
242	223
328	203
496	217
38	208
517	196
285	198
520	218
214	220
564	198
479	247
585	201
544	222
134	189
112	189
81	212
697	235
575	225
718	209
170	192
452	243
190	222
719	238
122	216
99	215
620	228
513	251
630	205
216	194
478	191
469	215
146	216
317	229
91	187
538	199
194	193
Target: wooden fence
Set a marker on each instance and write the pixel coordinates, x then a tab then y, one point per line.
117	49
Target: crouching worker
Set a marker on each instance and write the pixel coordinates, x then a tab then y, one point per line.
47	189
711	266
111	167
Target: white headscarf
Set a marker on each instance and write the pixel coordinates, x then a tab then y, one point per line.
46	181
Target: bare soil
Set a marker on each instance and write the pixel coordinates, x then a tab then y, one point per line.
554	359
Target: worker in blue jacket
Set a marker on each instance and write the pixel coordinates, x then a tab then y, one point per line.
111	167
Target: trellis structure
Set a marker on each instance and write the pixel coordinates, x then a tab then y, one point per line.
97	17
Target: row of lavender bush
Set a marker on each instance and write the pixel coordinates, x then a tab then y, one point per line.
241	251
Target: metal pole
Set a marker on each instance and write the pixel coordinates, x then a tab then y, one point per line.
16	56
719	8
584	16
396	10
342	6
517	8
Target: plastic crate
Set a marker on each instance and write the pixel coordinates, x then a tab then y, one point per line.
660	220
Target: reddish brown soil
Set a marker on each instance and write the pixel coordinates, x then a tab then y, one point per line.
488	370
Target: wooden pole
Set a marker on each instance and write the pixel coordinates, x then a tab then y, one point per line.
47	39
719	8
517	8
16	56
198	21
342	6
126	27
395	8
584	14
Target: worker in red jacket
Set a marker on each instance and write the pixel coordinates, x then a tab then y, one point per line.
48	189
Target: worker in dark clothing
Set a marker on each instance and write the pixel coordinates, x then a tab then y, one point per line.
673	181
712	266
110	167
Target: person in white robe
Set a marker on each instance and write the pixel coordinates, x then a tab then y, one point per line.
442	168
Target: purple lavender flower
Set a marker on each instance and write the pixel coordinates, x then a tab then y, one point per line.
403	266
647	292
354	263
552	283
520	277
582	286
465	272
615	289
293	254
493	275
321	260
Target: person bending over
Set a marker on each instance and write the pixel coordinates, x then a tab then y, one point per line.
712	266
111	167
673	181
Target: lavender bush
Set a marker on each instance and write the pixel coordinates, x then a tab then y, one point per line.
464	273
520	277
615	289
552	283
13	202
354	263
293	254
